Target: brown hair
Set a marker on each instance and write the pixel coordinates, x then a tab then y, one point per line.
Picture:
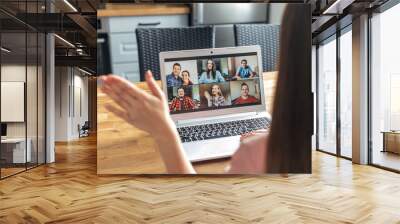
213	71
176	64
289	142
244	84
220	91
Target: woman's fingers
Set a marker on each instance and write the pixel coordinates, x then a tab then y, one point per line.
123	100
252	133
153	86
120	113
123	92
123	86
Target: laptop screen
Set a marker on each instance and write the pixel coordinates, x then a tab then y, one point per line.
3	129
212	83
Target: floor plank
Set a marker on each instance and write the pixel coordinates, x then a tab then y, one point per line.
69	191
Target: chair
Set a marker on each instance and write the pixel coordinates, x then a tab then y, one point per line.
84	130
152	41
265	35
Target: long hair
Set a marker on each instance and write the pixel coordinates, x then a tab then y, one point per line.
213	71
219	92
289	142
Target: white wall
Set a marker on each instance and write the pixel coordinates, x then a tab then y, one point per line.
276	11
15	73
33	125
62	81
81	100
71	93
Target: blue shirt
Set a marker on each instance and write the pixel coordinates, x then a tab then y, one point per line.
244	72
204	79
172	81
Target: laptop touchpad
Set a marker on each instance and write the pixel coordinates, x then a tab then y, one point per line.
211	149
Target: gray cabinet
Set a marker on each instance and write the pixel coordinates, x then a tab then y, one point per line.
123	46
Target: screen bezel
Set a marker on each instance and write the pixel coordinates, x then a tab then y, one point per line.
214	52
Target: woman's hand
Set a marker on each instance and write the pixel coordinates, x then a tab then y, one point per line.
148	112
207	95
253	133
145	111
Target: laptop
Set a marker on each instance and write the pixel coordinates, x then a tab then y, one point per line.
214	96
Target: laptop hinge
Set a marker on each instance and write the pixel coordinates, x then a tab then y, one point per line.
217	119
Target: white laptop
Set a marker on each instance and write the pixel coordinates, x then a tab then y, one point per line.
223	99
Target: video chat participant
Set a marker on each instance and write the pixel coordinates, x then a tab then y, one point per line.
245	97
187	83
244	71
216	99
181	102
211	74
186	78
175	79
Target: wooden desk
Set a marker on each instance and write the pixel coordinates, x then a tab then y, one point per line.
391	141
113	10
124	149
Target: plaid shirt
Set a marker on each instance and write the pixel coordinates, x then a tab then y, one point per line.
178	104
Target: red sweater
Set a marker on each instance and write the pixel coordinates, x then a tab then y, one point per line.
240	100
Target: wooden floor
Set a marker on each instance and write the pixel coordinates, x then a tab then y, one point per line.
69	191
386	159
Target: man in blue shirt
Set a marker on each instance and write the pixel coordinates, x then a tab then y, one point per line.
244	71
175	79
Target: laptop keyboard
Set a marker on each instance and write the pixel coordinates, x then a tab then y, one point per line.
224	129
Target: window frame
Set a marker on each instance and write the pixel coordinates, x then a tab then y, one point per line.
333	37
378	10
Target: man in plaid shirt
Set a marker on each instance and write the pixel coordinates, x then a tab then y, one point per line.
181	102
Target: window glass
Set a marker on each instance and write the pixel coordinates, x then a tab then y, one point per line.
385	88
327	96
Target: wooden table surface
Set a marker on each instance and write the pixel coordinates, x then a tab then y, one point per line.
124	149
116	10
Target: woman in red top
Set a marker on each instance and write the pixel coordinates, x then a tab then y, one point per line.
181	102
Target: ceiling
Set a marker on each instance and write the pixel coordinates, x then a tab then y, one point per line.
73	20
331	15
